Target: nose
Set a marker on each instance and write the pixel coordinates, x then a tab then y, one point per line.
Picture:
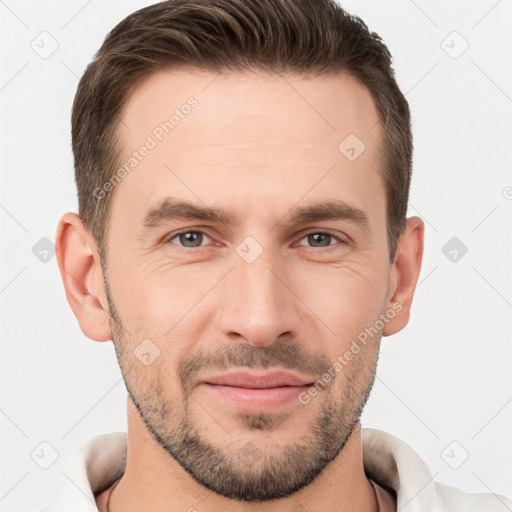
260	305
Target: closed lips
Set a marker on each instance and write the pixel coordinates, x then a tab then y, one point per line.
258	381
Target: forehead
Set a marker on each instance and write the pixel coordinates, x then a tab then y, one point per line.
310	109
268	136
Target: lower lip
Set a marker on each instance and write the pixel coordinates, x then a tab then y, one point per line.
254	399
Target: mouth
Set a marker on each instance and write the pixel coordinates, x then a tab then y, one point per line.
257	391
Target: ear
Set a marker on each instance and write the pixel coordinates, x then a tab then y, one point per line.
79	265
404	275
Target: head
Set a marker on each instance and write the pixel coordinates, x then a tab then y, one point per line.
243	171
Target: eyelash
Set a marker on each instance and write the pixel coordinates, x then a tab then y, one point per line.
323	232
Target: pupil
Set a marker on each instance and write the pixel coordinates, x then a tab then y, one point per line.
192	237
317	237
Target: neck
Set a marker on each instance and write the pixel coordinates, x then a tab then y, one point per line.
153	480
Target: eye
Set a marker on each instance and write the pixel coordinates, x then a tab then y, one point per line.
321	239
189	238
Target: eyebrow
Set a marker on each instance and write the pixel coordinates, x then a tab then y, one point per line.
176	209
172	208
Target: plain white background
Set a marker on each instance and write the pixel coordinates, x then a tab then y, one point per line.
444	383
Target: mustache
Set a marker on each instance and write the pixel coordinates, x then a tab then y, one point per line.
291	356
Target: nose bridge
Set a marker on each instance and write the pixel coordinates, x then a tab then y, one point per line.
258	306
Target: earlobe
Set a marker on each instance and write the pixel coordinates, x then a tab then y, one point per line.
404	275
80	269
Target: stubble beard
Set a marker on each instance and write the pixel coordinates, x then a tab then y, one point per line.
252	471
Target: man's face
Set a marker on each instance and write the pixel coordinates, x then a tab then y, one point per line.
269	290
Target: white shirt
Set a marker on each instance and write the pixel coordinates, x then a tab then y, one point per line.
388	461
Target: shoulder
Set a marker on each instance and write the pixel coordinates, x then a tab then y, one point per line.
92	468
396	466
454	500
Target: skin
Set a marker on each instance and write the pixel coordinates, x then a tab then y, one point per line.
258	146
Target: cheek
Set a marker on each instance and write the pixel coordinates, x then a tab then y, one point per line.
166	303
145	292
347	298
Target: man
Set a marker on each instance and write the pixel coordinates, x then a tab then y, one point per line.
243	172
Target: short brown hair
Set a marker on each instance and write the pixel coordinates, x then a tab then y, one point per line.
310	37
